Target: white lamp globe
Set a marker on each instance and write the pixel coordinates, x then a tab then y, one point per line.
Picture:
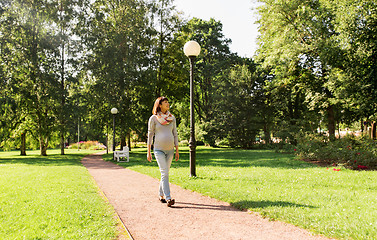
114	111
191	49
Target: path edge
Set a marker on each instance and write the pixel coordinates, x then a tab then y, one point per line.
103	195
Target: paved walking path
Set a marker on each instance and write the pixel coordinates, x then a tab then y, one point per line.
135	199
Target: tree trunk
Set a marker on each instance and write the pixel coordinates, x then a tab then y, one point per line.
331	121
129	141
122	141
62	142
365	126
374	130
267	137
23	144
43	143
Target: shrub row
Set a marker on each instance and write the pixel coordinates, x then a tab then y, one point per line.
350	151
90	145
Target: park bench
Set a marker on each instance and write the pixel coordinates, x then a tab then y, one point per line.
118	155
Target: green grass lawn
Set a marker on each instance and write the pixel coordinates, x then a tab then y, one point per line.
340	204
51	197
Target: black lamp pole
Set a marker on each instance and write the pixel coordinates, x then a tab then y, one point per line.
113	135
107	137
192	50
114	111
192	142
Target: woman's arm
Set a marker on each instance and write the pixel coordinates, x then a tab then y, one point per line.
175	135
176	153
151	129
149	154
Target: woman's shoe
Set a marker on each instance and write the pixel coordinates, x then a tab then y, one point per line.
171	202
162	200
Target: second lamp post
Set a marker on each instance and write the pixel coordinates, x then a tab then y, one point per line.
114	111
192	50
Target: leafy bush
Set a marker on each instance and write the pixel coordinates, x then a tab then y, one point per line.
184	133
350	151
90	145
280	147
183	143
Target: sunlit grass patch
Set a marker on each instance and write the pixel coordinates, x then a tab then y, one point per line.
51	197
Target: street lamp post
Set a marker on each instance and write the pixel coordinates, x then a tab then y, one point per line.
192	50
107	138
114	111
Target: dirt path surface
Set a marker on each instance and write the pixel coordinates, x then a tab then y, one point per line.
135	199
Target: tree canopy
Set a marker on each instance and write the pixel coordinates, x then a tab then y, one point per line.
67	63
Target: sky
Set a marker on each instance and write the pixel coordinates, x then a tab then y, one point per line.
237	16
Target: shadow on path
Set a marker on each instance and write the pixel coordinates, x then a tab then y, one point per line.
205	206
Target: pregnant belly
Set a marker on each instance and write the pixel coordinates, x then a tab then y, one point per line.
165	141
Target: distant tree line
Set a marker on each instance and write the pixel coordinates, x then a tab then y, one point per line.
320	63
64	64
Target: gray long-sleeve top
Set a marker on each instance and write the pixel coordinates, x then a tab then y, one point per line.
165	136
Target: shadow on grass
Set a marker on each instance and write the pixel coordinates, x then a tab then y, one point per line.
50	160
224	158
265	204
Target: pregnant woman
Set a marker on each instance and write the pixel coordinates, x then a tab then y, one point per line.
162	126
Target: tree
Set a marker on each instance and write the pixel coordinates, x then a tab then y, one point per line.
239	103
217	70
215	56
357	26
66	18
118	67
30	62
300	36
167	22
7	104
